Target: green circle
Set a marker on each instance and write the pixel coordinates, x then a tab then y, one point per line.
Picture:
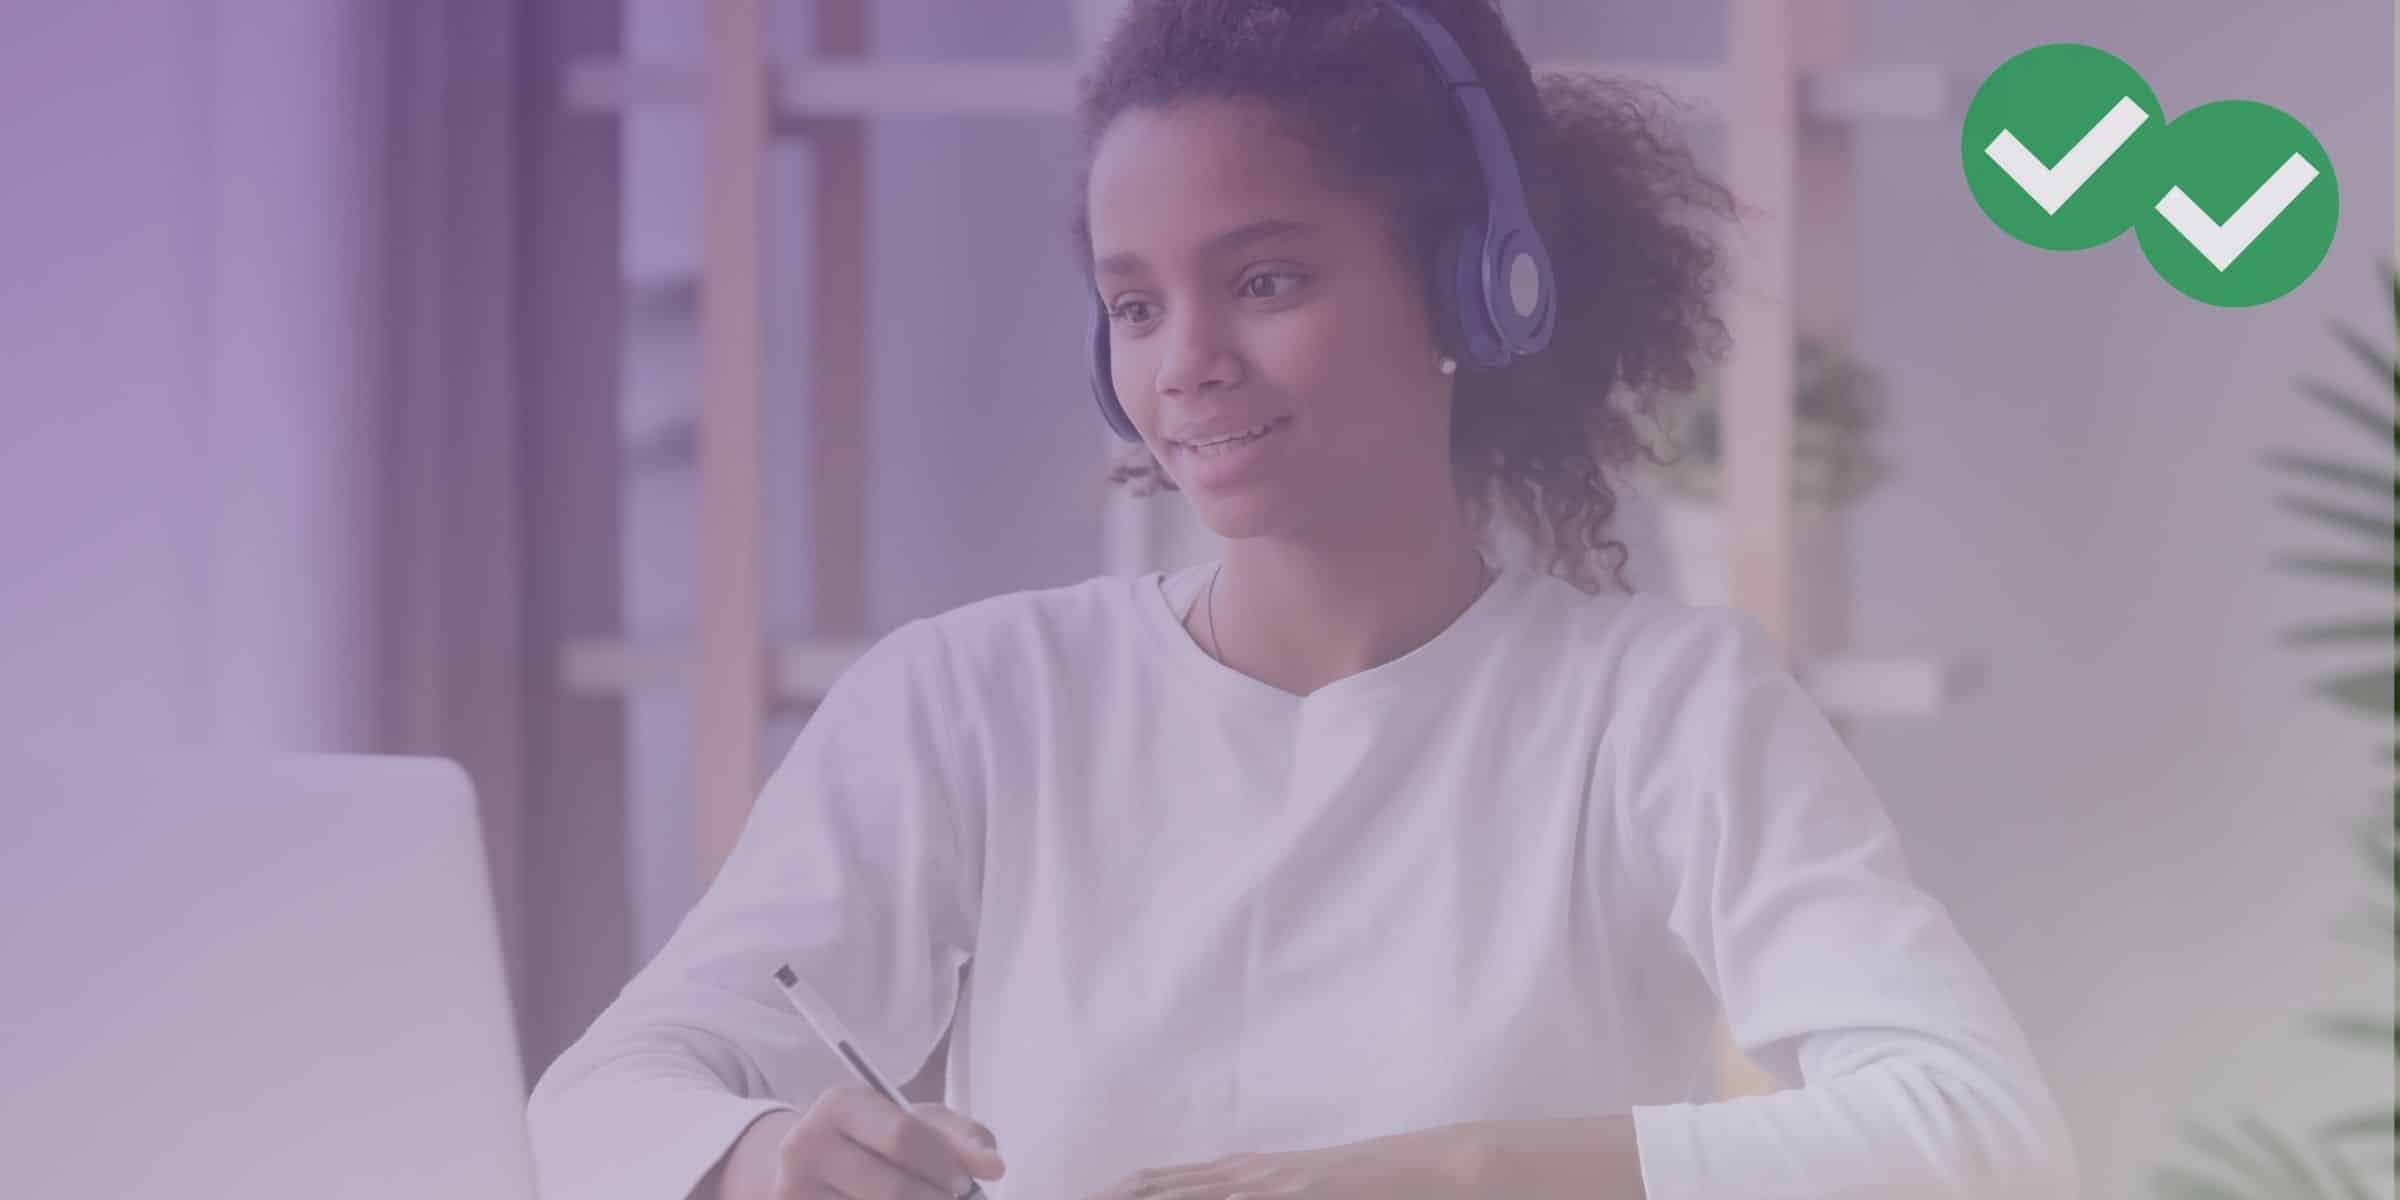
2221	155
2047	101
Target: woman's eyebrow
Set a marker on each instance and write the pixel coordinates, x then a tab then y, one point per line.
1227	242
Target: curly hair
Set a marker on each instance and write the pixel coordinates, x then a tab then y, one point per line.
1616	193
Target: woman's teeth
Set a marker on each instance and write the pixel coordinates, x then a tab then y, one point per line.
1251	434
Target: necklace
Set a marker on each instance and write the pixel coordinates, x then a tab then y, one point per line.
1213	652
1490	573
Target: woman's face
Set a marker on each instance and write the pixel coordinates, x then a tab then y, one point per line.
1246	290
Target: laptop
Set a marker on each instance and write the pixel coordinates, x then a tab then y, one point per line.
249	976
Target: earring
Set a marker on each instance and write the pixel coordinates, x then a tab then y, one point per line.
1449	365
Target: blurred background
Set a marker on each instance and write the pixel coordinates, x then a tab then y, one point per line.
571	387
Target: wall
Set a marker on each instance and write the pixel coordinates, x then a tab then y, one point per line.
185	348
103	225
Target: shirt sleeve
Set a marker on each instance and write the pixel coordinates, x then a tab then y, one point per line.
1781	875
858	866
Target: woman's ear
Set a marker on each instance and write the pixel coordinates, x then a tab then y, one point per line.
1425	253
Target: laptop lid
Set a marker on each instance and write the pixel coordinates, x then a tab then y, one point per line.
258	976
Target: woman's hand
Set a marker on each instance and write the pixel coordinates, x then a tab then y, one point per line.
854	1143
1444	1163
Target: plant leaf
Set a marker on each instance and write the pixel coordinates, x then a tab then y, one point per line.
2357	1126
2380	529
2372	930
2377	424
2380	843
2368	353
2368	691
2340	474
2364	570
2369	629
2347	1176
2357	1027
2229	1153
2176	1183
2295	1166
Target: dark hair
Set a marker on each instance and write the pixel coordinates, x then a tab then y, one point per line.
1612	188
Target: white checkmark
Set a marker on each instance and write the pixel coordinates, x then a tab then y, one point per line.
2052	187
2221	244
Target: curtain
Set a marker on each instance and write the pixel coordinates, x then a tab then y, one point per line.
453	676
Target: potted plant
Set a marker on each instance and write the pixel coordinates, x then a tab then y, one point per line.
1838	404
2346	501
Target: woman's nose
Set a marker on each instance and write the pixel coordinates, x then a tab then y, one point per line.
1197	356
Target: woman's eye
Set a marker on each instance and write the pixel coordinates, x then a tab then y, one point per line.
1138	311
1249	290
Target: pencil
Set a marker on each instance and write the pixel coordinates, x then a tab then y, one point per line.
836	1036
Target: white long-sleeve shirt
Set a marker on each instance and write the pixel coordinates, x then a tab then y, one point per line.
1177	912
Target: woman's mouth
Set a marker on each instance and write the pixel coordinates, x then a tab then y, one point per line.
1231	459
1215	447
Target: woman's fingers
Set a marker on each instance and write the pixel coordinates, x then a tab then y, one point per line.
856	1145
924	1149
977	1145
843	1167
1246	1174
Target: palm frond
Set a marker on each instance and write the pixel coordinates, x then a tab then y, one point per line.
2367	352
2378	484
2366	416
2266	1170
2367	692
2176	1183
2373	926
2286	1157
2356	1027
2375	630
2363	1125
2346	1177
2363	570
2263	1159
2369	930
2378	844
2375	527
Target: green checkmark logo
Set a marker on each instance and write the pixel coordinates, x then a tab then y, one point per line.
2251	209
2060	144
2065	147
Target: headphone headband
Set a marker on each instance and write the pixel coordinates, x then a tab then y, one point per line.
1495	159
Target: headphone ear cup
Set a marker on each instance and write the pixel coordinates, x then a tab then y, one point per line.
1104	387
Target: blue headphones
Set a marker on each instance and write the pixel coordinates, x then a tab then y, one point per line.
1491	281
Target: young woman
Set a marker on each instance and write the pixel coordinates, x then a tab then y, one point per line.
1361	864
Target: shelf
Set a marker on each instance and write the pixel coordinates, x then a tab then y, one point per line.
799	671
1884	688
816	89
